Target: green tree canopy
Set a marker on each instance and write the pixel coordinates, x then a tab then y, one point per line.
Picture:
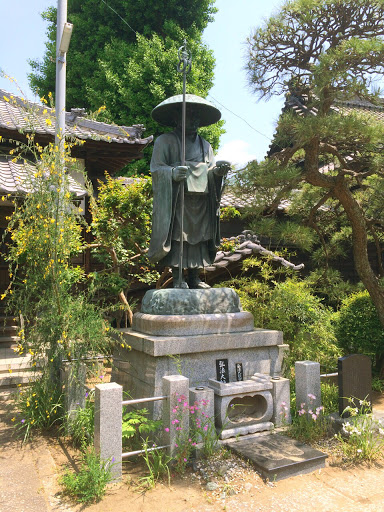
123	55
320	52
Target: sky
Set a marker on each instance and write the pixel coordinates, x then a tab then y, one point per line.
249	124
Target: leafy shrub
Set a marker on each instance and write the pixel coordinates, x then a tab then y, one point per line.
137	424
358	328
304	321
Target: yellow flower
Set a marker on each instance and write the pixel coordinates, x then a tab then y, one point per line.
6	99
48	122
13	419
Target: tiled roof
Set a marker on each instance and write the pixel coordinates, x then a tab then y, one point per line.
18	114
17	178
248	244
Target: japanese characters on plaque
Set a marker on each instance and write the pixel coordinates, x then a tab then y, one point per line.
222	371
239	371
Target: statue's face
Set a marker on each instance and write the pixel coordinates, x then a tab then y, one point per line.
192	121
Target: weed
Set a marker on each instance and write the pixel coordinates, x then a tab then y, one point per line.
157	462
80	426
40	406
89	484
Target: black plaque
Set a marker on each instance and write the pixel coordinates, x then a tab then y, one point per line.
239	371
222	372
355	381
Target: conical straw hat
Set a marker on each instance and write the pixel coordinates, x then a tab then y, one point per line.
168	111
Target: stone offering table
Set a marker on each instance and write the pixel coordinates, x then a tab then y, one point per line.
186	332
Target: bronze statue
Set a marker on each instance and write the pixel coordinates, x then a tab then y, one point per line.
202	180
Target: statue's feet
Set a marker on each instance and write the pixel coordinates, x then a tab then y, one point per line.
198	284
183	285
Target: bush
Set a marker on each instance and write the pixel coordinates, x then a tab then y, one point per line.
358	328
305	322
278	300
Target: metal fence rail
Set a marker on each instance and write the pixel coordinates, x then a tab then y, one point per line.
142	401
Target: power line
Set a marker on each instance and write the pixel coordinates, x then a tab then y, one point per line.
246	122
122	19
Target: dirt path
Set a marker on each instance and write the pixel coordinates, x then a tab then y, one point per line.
28	483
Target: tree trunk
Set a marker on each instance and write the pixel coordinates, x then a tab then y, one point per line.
339	188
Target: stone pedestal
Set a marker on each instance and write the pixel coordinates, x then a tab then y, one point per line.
189	343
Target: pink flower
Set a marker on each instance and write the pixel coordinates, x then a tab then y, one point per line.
185	460
185	404
166	429
205	427
176	445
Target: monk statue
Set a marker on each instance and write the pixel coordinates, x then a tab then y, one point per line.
202	180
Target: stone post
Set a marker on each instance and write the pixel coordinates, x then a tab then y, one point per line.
307	382
203	417
73	379
281	402
108	426
175	413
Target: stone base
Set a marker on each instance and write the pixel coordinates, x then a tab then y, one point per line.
140	370
187	325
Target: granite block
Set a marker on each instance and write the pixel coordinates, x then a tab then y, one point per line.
189	325
175	413
203	417
175	345
307	382
281	402
108	426
227	433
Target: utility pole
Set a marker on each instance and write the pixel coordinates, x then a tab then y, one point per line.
63	36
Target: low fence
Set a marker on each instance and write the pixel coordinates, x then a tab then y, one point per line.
109	405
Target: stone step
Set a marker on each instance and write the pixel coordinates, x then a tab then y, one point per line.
8	320
15	378
9	341
8	329
276	456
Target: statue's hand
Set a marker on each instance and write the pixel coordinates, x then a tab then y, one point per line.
222	167
180	173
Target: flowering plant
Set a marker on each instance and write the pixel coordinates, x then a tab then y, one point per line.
361	437
309	423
